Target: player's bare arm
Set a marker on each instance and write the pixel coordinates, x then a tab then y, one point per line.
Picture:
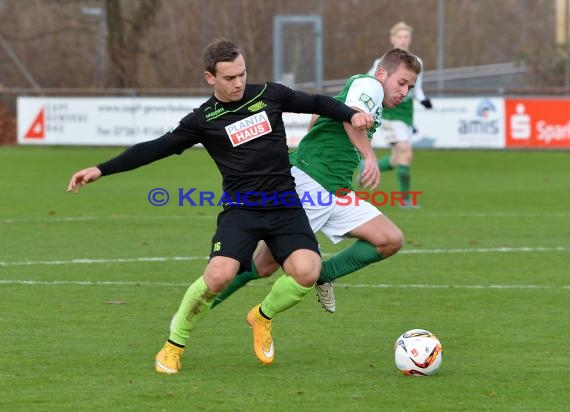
359	121
370	175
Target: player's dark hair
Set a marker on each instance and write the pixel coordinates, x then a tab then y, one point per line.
392	59
220	50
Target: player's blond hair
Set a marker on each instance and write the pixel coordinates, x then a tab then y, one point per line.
394	58
401	26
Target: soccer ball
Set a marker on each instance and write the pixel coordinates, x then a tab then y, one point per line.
418	353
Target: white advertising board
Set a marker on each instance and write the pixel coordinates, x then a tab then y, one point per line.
122	121
457	123
474	122
104	121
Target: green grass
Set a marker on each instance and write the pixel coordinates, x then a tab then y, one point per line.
82	336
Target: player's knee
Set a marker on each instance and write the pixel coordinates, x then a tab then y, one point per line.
308	276
307	273
407	158
265	269
217	280
219	273
403	154
396	241
304	266
404	159
264	262
393	243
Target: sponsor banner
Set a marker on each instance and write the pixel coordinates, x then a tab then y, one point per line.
473	122
98	121
452	123
537	123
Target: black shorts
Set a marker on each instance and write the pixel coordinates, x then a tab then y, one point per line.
284	230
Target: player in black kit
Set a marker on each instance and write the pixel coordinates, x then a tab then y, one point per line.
242	129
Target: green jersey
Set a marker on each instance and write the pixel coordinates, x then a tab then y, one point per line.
326	153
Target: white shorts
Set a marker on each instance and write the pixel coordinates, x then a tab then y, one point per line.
332	219
395	131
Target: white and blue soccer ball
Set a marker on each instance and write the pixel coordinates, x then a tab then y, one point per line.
418	352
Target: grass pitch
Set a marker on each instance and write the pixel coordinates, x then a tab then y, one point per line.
88	284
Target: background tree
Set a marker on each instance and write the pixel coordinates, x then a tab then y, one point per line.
158	43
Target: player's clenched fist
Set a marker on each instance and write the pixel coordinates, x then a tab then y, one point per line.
362	121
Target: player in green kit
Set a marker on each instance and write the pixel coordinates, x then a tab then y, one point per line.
324	163
398	122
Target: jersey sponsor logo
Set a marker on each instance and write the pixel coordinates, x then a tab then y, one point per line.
215	113
249	128
257	106
367	100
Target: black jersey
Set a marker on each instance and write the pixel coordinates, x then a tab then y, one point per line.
246	139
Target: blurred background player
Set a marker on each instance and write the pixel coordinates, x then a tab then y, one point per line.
398	122
324	164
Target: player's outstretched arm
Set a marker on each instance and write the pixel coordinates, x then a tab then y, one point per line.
83	177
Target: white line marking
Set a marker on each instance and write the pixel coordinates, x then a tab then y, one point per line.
524	249
346	285
214	215
497	214
88	283
100	218
105	261
421	286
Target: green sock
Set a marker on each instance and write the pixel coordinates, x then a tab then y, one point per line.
359	255
384	163
239	281
403	176
195	304
285	293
